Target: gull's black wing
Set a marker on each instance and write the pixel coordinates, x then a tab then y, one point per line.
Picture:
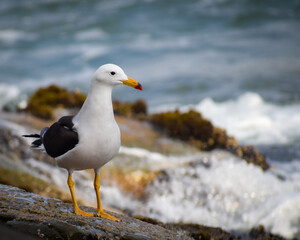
61	137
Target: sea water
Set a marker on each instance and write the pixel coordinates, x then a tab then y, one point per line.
236	62
182	52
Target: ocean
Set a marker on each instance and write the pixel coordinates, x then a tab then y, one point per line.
237	62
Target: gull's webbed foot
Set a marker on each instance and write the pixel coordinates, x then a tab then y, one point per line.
103	214
83	213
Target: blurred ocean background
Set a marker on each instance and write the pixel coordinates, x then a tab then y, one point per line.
237	62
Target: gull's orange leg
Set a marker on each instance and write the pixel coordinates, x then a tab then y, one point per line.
100	211
77	210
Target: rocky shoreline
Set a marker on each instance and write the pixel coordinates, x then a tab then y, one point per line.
31	216
51	218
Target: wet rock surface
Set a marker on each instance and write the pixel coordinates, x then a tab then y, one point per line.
25	215
49	218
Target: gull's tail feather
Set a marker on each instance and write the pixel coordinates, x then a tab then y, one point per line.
32	135
37	143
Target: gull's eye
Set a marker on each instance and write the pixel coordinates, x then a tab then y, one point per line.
112	73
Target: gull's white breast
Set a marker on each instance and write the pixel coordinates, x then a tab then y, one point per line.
98	144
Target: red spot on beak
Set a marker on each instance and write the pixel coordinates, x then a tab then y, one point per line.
139	86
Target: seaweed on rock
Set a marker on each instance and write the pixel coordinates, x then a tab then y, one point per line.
187	126
43	101
200	132
126	109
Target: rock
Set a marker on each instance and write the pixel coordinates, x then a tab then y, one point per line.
260	233
185	126
25	215
8	233
44	100
136	109
191	127
50	218
15	171
195	231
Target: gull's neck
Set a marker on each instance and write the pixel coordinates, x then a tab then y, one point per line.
98	105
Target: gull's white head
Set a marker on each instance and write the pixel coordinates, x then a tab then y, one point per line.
112	75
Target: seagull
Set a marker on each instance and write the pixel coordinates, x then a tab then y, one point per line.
91	138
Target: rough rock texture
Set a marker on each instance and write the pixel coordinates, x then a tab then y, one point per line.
25	215
50	218
195	231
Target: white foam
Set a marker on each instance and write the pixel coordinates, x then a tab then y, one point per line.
8	93
142	153
114	5
86	51
221	190
250	119
92	34
10	36
146	42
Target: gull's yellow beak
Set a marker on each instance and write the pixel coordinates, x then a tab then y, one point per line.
132	83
